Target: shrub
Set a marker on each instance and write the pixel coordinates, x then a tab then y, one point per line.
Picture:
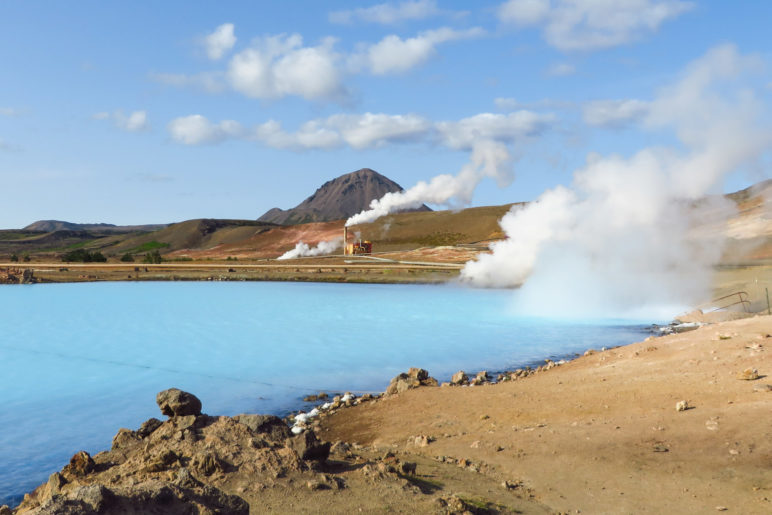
127	258
14	258
84	256
153	257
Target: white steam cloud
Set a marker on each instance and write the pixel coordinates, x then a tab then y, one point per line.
489	159
305	250
620	241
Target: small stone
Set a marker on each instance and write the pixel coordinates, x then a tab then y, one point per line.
660	448
682	406
5	510
749	374
475	444
711	425
721	508
762	388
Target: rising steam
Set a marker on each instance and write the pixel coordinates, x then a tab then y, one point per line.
620	240
488	159
305	250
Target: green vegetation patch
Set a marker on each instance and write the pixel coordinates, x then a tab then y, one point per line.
83	256
150	245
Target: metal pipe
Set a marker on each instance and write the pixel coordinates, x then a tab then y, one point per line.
345	240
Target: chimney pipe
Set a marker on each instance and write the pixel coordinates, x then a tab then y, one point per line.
345	240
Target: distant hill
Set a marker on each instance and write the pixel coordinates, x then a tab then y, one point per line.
58	225
337	199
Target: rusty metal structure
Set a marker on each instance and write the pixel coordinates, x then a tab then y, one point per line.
357	248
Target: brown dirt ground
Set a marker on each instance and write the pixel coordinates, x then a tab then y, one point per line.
601	434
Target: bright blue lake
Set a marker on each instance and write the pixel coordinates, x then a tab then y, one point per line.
80	361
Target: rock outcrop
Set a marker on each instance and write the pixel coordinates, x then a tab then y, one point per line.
182	465
414	378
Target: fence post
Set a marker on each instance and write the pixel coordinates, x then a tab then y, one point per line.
767	290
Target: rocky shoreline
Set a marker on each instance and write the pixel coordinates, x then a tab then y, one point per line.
526	441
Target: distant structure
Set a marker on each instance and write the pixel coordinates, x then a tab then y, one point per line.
357	248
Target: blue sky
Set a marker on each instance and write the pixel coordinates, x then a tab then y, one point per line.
151	112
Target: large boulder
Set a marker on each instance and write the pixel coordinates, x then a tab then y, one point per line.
414	378
269	425
309	447
176	403
459	378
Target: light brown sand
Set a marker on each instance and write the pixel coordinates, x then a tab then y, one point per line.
601	434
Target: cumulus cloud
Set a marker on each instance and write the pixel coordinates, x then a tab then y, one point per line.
278	66
135	121
220	41
619	242
614	113
505	128
368	130
394	55
590	25
198	130
387	13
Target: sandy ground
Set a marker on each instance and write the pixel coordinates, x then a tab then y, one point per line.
601	434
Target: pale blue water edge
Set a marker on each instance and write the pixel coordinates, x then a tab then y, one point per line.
80	361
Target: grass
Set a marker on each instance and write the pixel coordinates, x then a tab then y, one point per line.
148	246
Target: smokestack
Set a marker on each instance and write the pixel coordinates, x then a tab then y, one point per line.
345	240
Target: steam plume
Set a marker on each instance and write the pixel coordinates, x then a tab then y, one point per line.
305	250
621	238
488	159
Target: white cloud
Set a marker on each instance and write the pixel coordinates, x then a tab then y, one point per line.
375	130
387	13
614	113
278	66
220	41
133	122
561	70
211	82
502	128
198	130
367	130
591	24
396	55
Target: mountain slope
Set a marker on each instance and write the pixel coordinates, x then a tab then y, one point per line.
337	199
58	225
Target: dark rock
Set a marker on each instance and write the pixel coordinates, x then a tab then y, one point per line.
407	468
27	276
80	464
271	426
176	403
148	426
5	510
309	447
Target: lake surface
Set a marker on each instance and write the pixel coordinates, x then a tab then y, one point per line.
80	361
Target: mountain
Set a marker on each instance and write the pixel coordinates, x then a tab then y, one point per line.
337	199
58	225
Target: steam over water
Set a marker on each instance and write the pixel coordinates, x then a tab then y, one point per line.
82	360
